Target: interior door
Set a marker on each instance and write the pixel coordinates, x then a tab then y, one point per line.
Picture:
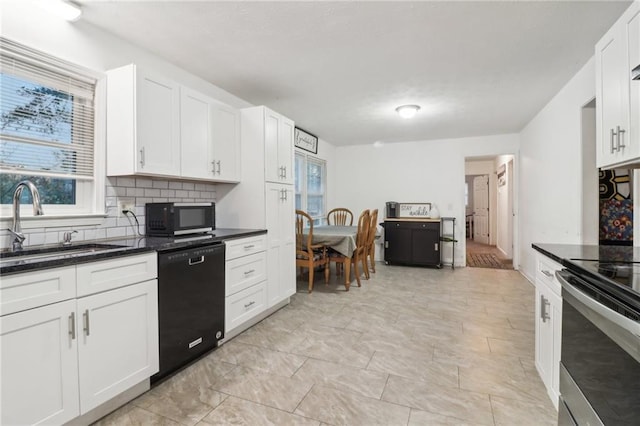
481	209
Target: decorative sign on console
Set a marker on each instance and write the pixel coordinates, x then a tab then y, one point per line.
415	210
305	140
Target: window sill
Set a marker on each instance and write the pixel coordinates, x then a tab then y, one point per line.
51	221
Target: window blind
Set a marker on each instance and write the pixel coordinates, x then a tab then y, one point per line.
46	115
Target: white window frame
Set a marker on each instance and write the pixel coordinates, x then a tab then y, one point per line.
89	208
318	220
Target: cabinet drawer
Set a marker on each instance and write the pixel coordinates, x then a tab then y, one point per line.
105	275
244	272
245	246
32	289
546	273
244	305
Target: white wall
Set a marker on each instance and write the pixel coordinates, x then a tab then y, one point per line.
426	171
550	185
590	177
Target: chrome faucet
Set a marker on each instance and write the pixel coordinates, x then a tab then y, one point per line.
16	229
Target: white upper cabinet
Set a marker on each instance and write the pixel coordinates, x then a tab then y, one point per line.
157	127
278	138
143	127
617	96
225	142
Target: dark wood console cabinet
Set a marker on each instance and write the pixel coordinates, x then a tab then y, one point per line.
412	242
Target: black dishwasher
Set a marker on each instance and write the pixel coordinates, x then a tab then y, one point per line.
191	293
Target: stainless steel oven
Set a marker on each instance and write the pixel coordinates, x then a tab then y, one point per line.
600	355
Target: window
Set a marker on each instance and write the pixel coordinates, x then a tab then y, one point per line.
47	132
310	187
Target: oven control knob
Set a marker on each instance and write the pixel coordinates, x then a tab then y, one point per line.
218	334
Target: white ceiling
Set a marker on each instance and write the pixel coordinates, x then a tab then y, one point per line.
339	69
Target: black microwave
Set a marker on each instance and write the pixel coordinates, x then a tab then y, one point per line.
171	219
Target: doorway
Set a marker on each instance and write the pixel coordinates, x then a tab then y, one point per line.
489	204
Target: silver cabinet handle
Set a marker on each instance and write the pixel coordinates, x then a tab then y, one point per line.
249	304
547	273
613	134
285	172
219	168
281	175
142	157
286	196
544	315
386	244
249	272
85	319
249	247
435	246
72	325
213	167
196	260
620	132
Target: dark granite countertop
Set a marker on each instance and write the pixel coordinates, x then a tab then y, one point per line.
562	253
53	256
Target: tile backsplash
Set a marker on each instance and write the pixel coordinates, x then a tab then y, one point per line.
140	190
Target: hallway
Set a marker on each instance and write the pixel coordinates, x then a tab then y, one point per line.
486	256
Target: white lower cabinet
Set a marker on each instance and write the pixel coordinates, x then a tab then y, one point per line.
39	366
548	325
117	341
62	360
281	249
244	305
245	281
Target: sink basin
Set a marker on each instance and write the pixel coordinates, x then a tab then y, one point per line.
27	256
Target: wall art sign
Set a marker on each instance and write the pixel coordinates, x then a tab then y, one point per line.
415	210
305	140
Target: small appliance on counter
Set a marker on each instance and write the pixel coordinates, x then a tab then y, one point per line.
173	219
393	209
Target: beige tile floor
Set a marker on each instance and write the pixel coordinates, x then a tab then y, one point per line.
412	346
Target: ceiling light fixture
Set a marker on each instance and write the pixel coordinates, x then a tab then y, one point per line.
64	9
407	111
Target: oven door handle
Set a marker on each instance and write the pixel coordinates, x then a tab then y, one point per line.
600	309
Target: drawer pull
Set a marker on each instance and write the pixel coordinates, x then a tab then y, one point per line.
72	325
249	304
547	273
249	247
544	302
85	317
250	271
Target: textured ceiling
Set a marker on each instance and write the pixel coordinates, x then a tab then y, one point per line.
339	69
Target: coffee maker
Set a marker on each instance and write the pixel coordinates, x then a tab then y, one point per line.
393	209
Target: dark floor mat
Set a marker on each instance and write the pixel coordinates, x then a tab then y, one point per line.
487	260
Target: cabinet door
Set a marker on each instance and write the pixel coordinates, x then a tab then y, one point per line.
272	168
280	242
158	125
285	150
195	135
425	244
397	243
287	263
544	335
633	49
226	142
118	341
39	366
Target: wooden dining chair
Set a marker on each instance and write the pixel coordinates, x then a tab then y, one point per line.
359	254
340	216
309	255
371	247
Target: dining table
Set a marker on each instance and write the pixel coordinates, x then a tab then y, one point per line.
340	238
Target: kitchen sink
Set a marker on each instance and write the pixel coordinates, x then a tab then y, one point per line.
51	253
